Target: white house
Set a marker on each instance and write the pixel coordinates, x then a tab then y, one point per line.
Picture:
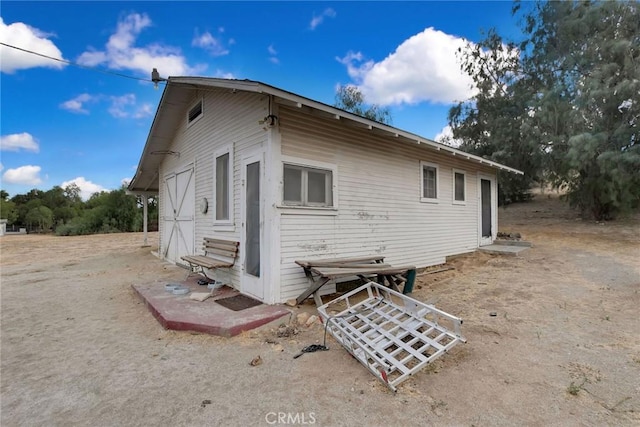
291	178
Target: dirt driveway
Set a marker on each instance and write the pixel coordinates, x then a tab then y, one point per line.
78	347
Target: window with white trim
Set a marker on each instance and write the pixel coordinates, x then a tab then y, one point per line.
195	112
307	186
459	187
429	182
223	186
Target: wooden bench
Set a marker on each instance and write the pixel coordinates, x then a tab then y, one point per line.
217	254
319	272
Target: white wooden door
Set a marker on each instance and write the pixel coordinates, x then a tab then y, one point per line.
252	282
178	215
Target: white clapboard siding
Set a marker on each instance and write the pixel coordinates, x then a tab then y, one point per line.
228	119
377	182
379	208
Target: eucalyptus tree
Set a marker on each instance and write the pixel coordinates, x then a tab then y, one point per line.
563	103
493	123
589	55
350	98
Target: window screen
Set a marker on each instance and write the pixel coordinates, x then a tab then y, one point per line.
292	184
459	187
317	187
222	187
430	183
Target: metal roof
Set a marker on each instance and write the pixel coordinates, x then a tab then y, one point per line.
178	93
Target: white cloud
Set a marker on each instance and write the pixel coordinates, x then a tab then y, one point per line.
119	104
87	188
19	141
319	19
92	58
349	59
423	68
1	167
125	181
23	36
273	54
121	53
76	105
445	133
223	75
25	175
145	110
211	44
446	137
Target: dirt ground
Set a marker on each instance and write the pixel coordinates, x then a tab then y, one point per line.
79	348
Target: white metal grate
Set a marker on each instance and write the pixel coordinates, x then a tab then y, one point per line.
391	334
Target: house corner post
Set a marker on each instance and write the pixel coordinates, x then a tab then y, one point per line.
145	214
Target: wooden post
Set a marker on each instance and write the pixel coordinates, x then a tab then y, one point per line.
145	203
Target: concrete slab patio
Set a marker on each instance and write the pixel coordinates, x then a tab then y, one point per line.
506	247
180	313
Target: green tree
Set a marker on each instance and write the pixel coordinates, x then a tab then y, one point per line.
104	212
8	210
350	98
567	101
122	209
111	211
593	51
493	124
54	197
39	218
57	200
72	193
22	204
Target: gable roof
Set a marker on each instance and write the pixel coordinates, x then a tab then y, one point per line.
178	93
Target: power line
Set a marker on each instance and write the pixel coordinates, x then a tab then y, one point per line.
64	61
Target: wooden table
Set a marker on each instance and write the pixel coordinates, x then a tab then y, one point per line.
319	272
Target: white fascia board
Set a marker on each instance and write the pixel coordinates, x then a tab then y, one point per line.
257	87
370	124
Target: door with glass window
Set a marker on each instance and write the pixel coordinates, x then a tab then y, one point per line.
252	227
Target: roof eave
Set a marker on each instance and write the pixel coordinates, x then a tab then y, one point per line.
257	87
153	144
263	88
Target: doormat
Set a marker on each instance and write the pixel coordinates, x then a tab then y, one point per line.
238	302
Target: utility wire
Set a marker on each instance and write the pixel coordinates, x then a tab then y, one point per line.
64	61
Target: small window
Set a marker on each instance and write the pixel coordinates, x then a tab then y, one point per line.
306	186
429	182
223	186
195	112
459	194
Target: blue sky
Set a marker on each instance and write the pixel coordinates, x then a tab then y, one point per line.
62	123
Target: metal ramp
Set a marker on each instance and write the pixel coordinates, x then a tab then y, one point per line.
391	334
